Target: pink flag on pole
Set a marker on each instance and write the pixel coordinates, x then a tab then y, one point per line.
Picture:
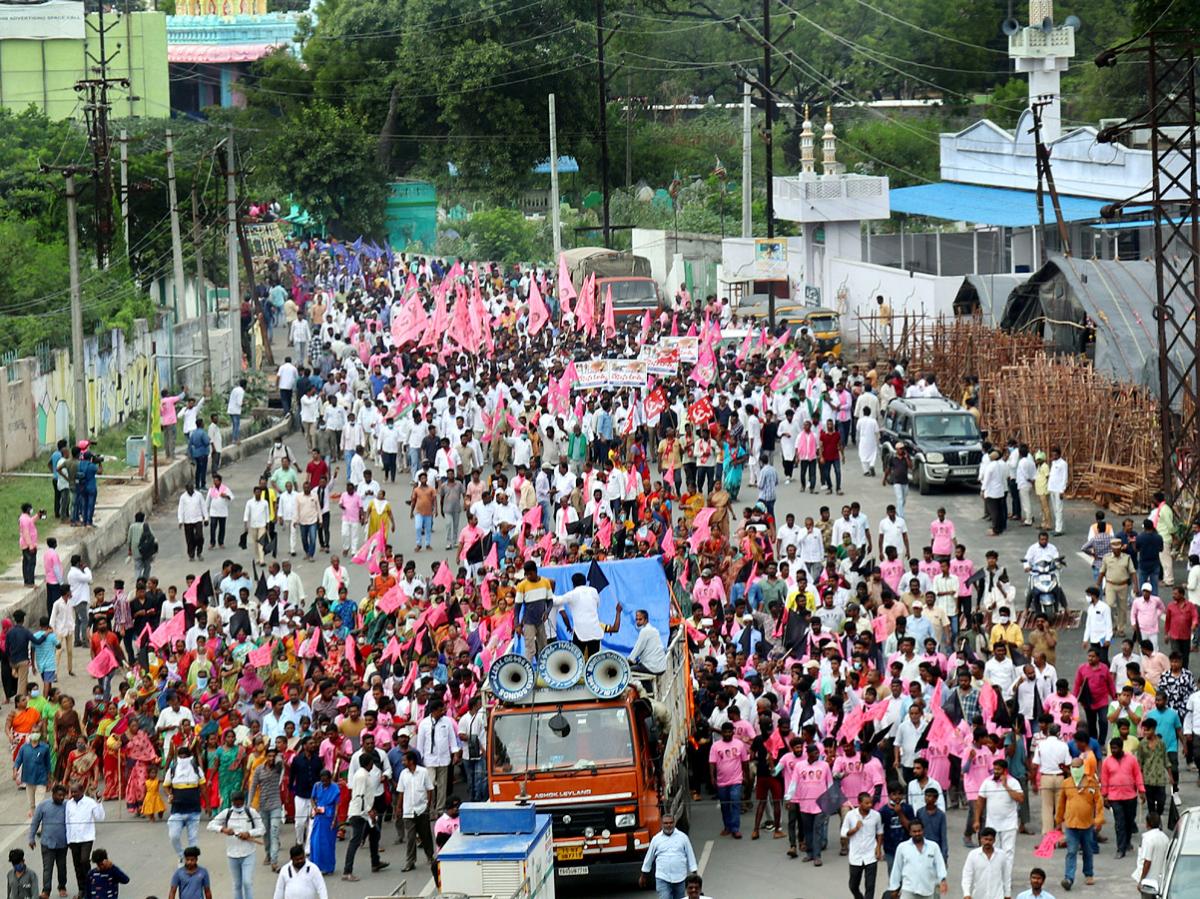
789	373
311	647
605	531
691	332
610	319
372	548
533	517
189	595
261	657
700	527
566	290
390	601
103	663
545	546
645	327
391	652
745	350
538	313
987	702
443	578
485	594
674	324
493	559
413	671
668	544
352	652
469	540
169	631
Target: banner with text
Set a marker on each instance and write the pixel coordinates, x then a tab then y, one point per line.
47	20
605	373
660	360
689	347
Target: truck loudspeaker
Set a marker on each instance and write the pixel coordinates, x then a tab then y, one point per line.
511	677
560	664
606	674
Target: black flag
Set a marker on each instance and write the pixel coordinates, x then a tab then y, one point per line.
595	577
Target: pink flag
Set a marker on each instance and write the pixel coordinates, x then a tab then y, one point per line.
352	651
469	540
987	702
691	332
605	531
485	594
705	368
585	309
169	631
645	327
745	350
668	543
390	601
413	671
674	324
436	616
545	546
1045	849
789	373
103	663
189	595
610	320
852	724
311	647
493	559
443	578
700	528
533	517
566	290
391	652
538	313
261	657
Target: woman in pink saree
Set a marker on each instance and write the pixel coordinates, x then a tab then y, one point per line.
140	753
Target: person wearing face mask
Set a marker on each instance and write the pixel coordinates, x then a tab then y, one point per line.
184	780
22	883
1080	809
32	768
1121	777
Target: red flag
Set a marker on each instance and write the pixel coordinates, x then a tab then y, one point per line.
656	403
700	411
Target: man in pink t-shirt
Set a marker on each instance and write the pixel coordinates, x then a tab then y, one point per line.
810	780
941	529
728	763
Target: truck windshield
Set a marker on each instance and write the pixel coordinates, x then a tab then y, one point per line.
958	426
599	738
636	292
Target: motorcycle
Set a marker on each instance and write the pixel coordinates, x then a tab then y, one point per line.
1045	593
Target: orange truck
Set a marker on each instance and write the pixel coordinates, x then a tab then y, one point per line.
605	769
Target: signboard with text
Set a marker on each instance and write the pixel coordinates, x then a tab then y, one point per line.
41	21
599	374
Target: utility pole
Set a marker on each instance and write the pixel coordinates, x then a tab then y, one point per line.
555	212
124	141
96	108
1044	172
201	292
176	239
747	163
77	358
602	38
235	294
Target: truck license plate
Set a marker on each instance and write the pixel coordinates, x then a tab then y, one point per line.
569	853
576	871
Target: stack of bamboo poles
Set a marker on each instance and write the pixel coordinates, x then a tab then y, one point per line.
1108	431
955	349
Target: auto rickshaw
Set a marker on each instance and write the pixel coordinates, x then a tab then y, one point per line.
825	327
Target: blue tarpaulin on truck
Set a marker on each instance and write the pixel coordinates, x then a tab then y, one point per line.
636	584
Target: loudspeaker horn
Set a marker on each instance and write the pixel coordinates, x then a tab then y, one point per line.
1073	22
606	674
1047	24
511	677
560	664
1010	26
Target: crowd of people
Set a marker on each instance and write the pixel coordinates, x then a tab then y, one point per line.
869	670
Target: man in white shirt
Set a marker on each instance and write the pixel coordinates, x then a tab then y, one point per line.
1052	758
893	532
414	790
582	603
987	870
286	378
1057	486
1097	624
192	515
301	879
255	518
999	670
863	828
363	817
83	813
647	654
437	742
1152	852
1001	795
788	535
79	580
237	397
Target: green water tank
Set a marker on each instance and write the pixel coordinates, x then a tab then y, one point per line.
412	214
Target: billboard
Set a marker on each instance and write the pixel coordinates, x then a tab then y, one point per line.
770	258
41	20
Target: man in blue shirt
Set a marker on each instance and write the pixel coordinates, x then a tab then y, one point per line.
32	768
105	879
198	449
45	645
1170	729
896	815
50	817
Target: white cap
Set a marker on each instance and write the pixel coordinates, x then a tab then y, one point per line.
1146	587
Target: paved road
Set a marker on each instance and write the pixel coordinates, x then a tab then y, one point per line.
741	869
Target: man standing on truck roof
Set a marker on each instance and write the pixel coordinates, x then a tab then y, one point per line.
672	858
534	597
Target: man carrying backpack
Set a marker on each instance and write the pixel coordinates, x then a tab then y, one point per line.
141	546
240	824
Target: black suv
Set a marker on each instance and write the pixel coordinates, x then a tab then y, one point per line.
942	437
